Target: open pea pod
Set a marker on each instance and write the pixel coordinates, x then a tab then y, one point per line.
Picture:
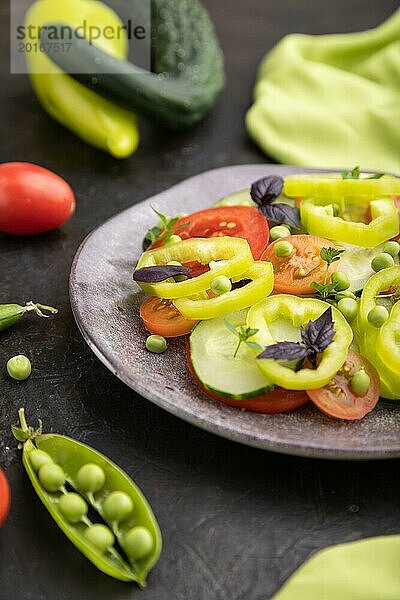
65	456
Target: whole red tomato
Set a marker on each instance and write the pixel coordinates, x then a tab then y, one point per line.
33	199
5	497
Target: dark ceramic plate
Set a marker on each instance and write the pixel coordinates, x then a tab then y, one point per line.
105	303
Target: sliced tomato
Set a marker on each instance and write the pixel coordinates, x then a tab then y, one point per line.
5	497
294	274
162	318
234	221
337	398
277	401
196	268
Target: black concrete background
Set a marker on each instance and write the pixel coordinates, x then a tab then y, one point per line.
236	521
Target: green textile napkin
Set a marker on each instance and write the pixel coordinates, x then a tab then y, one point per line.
331	100
364	570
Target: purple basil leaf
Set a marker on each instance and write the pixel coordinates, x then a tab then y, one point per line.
159	273
318	334
284	351
266	189
282	213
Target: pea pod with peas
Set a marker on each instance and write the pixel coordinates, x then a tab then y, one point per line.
75	481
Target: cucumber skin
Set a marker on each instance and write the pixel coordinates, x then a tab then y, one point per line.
178	101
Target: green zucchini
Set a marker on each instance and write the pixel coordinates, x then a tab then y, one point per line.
188	87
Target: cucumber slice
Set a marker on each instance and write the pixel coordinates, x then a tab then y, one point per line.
356	263
212	347
241	198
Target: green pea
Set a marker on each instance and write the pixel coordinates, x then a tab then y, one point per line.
52	477
360	382
345	294
19	367
377	316
391	248
279	231
73	507
90	478
221	285
100	536
138	543
117	506
38	458
382	261
156	344
336	210
348	307
283	249
341	281
173	239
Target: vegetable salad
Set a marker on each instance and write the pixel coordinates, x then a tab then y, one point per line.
288	292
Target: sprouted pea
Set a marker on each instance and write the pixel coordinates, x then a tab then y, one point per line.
391	248
156	344
52	477
360	382
283	249
377	316
341	281
73	507
382	261
117	506
100	536
138	543
349	308
19	367
39	458
221	285
279	231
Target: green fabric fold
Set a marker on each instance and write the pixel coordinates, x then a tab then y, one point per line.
331	100
364	570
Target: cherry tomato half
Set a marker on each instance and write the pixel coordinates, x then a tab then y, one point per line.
337	398
5	497
162	318
277	401
33	199
294	273
234	221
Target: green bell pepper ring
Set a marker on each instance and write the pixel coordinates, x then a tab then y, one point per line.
93	118
299	311
380	345
318	218
234	252
262	275
333	186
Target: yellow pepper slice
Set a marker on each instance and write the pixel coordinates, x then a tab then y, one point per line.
331	185
318	219
235	252
299	311
262	275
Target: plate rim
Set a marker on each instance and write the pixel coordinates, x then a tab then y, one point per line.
312	450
